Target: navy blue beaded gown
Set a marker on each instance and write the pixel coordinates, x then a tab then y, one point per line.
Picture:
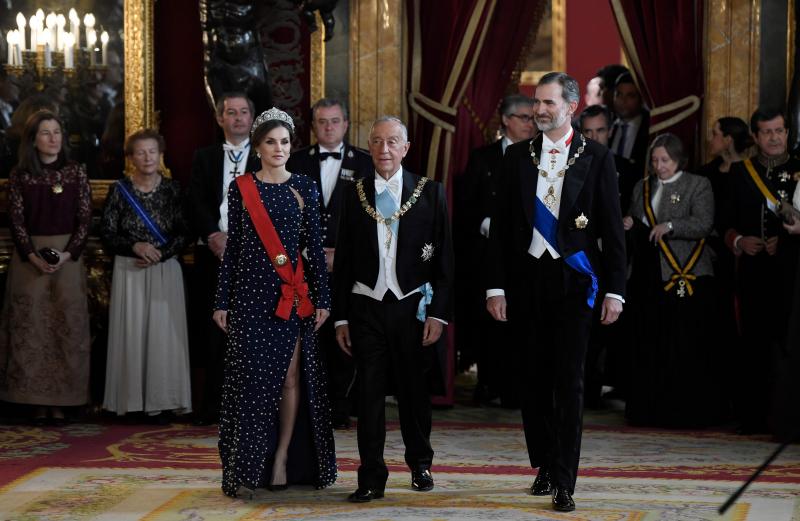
260	344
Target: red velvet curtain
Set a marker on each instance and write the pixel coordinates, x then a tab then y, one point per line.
462	54
186	120
664	45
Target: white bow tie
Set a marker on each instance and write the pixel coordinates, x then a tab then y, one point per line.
235	148
394	185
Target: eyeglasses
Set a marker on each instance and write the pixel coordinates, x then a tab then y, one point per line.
522	117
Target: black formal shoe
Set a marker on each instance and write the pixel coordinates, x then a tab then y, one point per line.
364	495
421	480
277	488
543	484
562	500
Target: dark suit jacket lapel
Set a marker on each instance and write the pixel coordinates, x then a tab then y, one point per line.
372	232
217	166
529	176
573	179
408	189
314	166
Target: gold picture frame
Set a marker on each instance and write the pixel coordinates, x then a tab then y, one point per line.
139	78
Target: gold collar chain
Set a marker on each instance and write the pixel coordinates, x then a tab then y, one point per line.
570	162
400	211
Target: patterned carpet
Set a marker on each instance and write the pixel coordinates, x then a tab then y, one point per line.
120	472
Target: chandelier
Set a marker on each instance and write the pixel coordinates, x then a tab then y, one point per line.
55	44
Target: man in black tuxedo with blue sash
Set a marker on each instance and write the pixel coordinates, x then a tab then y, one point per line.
334	164
558	196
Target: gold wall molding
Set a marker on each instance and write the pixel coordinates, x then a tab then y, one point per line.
377	29
732	52
559	9
139	97
317	62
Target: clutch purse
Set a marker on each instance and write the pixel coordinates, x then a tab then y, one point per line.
50	256
788	213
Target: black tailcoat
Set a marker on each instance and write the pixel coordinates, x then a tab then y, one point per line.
205	188
547	299
356	164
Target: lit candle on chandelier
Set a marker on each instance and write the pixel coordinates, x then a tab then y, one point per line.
74	26
34	25
69	43
104	48
10	37
92	40
50	24
61	21
88	21
21	22
47	40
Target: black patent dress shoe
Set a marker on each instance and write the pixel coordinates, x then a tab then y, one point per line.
364	495
421	480
277	488
562	500
543	484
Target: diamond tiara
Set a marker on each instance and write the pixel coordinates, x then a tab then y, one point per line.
268	115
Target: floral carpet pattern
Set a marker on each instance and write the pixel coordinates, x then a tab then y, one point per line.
121	472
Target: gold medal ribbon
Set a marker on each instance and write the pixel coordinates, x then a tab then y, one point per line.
682	275
771	199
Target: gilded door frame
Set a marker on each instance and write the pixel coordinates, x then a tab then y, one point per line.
139	90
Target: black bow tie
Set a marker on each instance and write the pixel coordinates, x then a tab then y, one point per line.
325	155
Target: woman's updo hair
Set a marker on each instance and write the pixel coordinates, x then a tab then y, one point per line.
265	128
738	130
674	147
142	135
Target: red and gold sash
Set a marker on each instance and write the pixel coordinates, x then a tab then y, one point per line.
682	276
294	290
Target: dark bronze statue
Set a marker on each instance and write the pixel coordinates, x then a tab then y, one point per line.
325	8
233	56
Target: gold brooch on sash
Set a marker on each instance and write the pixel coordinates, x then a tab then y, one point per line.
581	221
675	198
57	188
281	259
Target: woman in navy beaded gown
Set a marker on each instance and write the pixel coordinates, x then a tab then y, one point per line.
275	423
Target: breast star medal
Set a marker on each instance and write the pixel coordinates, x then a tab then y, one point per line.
281	259
427	252
57	188
675	198
581	221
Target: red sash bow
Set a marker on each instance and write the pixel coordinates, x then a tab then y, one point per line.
294	290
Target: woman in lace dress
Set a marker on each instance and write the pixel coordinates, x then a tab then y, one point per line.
44	326
148	352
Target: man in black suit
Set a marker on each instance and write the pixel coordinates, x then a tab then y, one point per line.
630	133
391	300
767	259
558	195
333	164
213	169
478	335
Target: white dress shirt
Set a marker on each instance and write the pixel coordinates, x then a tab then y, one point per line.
796	198
630	135
329	172
538	244
228	168
560	151
387	272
